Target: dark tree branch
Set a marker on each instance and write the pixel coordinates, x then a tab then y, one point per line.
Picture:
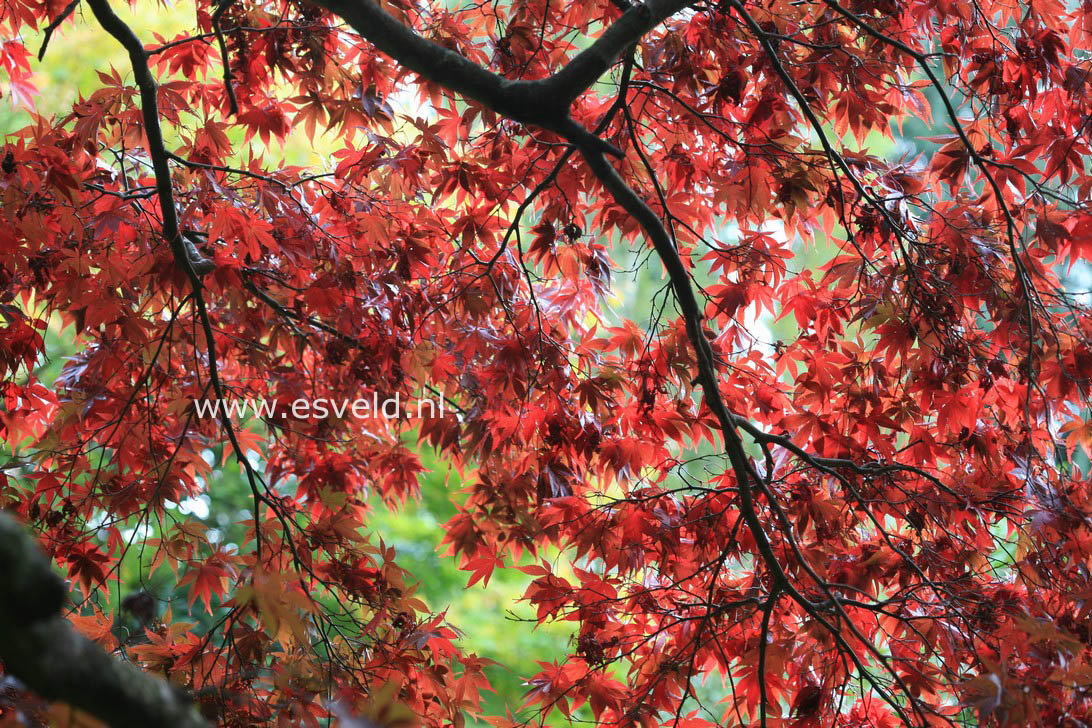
707	377
40	648
53	25
767	610
225	58
186	255
542	102
149	107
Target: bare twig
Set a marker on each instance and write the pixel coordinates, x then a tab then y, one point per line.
54	24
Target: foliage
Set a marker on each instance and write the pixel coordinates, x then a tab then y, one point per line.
879	518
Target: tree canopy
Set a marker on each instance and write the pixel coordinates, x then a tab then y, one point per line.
832	472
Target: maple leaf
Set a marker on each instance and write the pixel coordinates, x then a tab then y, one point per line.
205	580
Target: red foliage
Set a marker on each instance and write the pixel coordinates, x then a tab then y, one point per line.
901	537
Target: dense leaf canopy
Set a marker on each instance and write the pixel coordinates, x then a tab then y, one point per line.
834	473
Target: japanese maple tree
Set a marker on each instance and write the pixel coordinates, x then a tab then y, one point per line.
881	520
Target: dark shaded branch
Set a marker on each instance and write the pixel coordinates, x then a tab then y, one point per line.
767	611
693	316
42	649
149	108
53	25
186	255
618	105
225	58
541	102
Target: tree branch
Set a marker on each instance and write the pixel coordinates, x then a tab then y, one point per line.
149	107
53	25
186	255
43	650
225	58
542	102
692	314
